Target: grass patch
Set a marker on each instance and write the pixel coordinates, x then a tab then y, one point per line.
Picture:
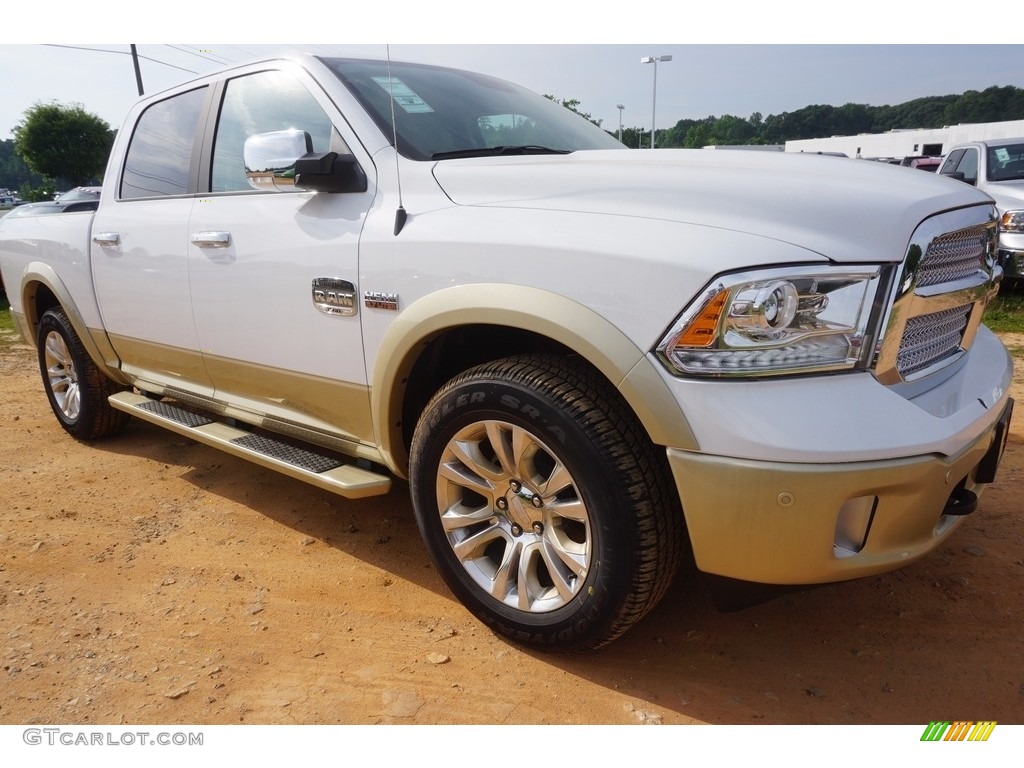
1006	313
6	322
8	334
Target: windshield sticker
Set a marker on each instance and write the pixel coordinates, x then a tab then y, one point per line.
1002	155
404	96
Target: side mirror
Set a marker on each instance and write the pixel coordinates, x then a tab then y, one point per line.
270	158
285	161
959	176
329	172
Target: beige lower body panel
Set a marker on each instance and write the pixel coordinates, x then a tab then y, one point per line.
163	364
256	394
778	523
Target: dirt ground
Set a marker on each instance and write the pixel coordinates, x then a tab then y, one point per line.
148	579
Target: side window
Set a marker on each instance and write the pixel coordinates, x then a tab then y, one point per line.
160	152
261	103
949	165
968	166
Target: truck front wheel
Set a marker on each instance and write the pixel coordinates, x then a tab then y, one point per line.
543	504
76	388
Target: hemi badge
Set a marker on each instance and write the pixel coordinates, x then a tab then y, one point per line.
380	300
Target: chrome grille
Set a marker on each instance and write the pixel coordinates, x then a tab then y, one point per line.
930	338
953	257
947	277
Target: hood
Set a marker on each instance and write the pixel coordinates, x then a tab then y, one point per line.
1009	195
846	210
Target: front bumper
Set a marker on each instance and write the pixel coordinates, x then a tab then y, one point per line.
1012	262
787	523
1011	254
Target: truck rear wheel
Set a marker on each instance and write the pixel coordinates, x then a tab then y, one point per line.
543	504
75	386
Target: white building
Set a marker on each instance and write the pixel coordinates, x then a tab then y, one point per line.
755	147
902	143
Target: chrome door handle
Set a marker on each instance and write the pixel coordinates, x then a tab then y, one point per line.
211	239
106	238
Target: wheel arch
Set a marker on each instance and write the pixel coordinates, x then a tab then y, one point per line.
42	290
449	331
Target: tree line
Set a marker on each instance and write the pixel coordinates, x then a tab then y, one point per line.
992	105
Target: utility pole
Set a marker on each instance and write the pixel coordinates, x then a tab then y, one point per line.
138	72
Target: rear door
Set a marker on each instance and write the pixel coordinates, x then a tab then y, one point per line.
139	257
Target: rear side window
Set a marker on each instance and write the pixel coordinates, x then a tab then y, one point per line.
160	153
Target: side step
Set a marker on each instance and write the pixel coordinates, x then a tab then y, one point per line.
320	470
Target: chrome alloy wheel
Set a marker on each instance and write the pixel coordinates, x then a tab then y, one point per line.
513	516
62	376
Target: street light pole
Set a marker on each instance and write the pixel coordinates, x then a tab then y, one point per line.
620	107
654	100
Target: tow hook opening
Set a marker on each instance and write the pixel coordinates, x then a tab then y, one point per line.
961	502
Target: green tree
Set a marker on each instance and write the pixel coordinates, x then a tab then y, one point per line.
631	136
729	129
573	106
16	176
697	136
64	141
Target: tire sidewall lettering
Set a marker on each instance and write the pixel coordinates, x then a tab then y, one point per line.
531	413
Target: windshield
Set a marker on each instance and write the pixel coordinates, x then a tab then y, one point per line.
1006	162
445	112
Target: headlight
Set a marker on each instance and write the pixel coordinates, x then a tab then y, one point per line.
1012	221
779	321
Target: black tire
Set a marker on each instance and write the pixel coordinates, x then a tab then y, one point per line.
75	386
543	503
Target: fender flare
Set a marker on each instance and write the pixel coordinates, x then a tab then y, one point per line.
95	342
627	367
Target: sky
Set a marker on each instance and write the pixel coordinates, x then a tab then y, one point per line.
732	62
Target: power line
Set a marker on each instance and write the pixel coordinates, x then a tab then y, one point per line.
215	58
122	53
249	54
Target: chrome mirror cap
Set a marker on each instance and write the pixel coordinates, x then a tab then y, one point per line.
270	158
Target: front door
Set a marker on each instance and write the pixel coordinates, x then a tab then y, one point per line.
274	275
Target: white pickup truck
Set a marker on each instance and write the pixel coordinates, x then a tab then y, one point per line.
996	167
587	361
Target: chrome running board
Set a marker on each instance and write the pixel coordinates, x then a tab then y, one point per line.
306	464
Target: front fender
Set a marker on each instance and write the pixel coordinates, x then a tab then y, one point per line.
546	314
